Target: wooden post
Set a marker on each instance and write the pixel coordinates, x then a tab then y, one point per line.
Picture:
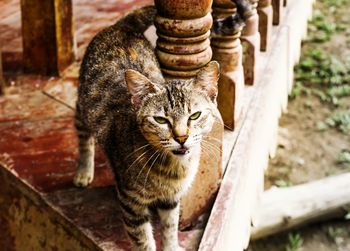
48	35
183	48
285	2
251	43
227	50
265	23
277	11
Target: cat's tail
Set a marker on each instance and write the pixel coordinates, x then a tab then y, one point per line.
140	19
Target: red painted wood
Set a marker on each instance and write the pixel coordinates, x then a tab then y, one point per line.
89	16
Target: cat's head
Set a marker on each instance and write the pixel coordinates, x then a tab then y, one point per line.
175	115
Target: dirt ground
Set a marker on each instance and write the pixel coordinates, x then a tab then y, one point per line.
314	136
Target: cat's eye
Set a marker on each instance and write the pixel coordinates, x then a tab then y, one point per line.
160	120
195	115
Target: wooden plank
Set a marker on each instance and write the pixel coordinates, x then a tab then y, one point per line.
27	219
282	209
48	35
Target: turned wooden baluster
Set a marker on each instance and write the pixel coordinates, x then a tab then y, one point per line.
183	30
251	43
48	35
183	48
227	50
265	23
277	11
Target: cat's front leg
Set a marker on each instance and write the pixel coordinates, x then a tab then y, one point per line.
85	170
169	220
137	222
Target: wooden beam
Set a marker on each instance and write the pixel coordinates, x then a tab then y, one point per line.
227	50
286	208
48	36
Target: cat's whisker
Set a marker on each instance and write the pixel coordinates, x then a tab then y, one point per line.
212	138
211	151
209	154
136	161
144	166
206	153
144	184
212	145
138	149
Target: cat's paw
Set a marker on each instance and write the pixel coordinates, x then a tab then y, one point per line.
83	178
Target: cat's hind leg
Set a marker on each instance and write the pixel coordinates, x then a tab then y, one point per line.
85	171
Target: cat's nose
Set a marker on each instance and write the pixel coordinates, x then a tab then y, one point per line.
181	139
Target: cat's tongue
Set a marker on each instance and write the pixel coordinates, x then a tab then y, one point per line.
180	151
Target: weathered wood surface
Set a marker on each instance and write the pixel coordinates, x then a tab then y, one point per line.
282	209
229	224
27	218
89	18
48	36
232	210
227	50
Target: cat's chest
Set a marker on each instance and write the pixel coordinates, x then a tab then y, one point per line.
171	187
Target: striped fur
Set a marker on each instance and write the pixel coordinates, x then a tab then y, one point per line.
121	93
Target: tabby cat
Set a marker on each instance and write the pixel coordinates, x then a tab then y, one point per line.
150	128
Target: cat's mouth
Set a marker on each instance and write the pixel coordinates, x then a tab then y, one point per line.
180	151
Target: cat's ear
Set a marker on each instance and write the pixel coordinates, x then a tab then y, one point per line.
207	79
139	86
